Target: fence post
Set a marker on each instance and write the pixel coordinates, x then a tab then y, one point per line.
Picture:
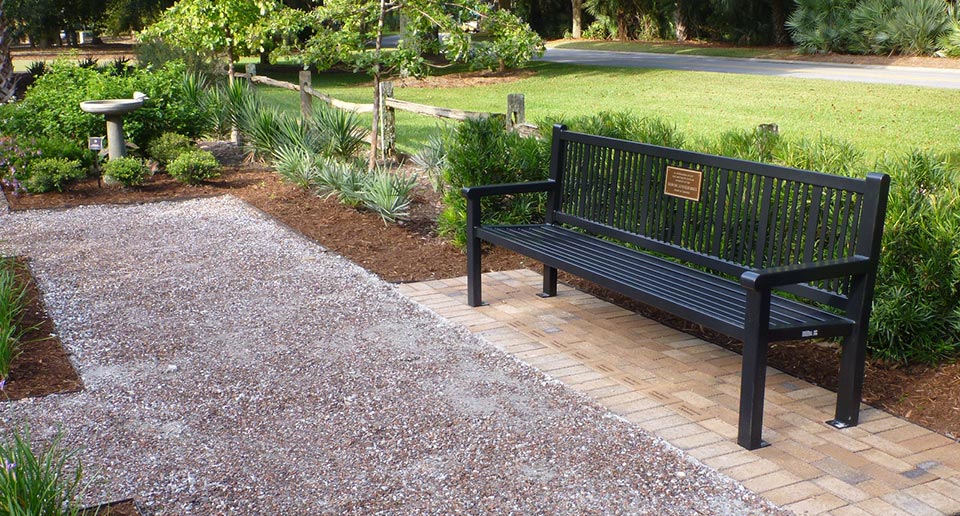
306	101
516	110
388	123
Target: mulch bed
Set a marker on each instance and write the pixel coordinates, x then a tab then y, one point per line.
412	251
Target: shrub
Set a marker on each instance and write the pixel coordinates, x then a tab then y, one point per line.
916	315
484	152
51	105
39	483
824	154
388	195
345	181
46	174
342	133
759	144
601	28
623	125
37	68
125	170
432	157
822	25
296	165
168	146
917	26
194	167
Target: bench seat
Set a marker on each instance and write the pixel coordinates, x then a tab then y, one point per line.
699	297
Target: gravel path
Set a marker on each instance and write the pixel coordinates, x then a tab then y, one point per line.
233	367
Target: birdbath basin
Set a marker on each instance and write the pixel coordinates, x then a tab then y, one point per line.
113	109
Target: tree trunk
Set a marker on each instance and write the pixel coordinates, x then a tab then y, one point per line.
680	21
231	77
8	82
375	130
622	28
779	19
577	19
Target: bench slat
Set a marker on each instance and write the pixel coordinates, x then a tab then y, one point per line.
703	298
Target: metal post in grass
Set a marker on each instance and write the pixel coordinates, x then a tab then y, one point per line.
306	101
388	121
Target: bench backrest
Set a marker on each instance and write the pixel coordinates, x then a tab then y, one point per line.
737	215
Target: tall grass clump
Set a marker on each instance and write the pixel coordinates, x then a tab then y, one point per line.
916	310
48	483
484	152
13	302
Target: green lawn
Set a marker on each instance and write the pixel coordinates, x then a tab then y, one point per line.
672	47
877	118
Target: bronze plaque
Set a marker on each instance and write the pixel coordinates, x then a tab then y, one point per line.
683	183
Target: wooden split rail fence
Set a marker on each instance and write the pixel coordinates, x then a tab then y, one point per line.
514	118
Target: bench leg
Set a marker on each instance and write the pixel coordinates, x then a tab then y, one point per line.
549	281
850	388
474	293
753	376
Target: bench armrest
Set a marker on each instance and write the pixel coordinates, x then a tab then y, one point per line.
765	279
476	192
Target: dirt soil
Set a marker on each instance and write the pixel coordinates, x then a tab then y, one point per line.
412	251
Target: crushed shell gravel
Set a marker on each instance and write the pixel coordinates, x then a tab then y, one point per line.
232	366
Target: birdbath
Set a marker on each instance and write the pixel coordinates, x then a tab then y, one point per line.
113	109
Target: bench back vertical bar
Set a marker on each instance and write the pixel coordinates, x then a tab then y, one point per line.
557	156
474	294
852	360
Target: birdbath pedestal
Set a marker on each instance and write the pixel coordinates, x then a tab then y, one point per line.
113	109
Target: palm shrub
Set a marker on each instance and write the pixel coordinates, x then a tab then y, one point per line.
916	310
870	21
342	180
343	133
432	156
388	194
917	26
194	167
821	25
484	152
296	165
46	483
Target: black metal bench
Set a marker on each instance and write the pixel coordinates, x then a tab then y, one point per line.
708	239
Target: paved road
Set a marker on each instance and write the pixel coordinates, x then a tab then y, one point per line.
931	77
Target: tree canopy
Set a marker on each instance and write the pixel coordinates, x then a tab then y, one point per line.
435	33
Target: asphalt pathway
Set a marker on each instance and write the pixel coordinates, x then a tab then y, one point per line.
915	76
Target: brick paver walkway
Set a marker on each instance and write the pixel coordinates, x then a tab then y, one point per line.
686	391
